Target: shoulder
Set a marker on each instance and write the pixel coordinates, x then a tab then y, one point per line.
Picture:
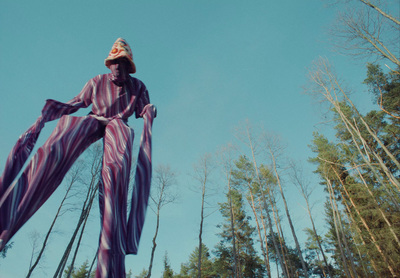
138	83
99	79
102	77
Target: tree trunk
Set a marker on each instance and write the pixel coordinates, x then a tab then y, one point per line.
201	229
50	230
65	256
348	251
92	264
366	226
253	208
395	20
279	254
233	234
226	161
265	238
251	145
86	216
95	167
153	249
380	210
305	271
306	198
338	236
160	195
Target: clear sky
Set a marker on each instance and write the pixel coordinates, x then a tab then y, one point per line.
208	65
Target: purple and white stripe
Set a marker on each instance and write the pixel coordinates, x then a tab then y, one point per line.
20	199
141	190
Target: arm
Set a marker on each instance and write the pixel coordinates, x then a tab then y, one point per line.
142	102
54	109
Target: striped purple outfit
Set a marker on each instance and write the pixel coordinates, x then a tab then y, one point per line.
112	104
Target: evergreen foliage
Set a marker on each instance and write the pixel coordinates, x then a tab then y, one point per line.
81	272
359	170
168	272
361	173
250	264
142	274
190	268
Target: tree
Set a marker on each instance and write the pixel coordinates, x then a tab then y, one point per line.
142	274
34	237
361	175
190	268
73	177
81	272
202	175
305	190
225	156
168	272
92	184
245	179
293	265
249	263
314	250
161	195
386	89
274	149
367	30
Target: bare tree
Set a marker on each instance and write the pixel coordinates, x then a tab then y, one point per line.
379	10
34	237
161	195
274	148
306	191
336	218
73	177
92	182
327	85
225	158
202	172
251	139
366	30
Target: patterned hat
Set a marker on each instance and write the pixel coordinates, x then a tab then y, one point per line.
121	49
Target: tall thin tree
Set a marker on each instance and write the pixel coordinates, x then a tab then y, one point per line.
202	172
161	195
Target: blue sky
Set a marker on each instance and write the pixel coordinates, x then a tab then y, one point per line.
208	65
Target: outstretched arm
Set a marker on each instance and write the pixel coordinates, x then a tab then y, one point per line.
54	109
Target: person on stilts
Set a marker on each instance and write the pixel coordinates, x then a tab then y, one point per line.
114	98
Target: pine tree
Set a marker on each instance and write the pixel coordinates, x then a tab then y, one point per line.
168	272
143	273
244	179
190	268
314	244
249	263
292	258
81	272
361	174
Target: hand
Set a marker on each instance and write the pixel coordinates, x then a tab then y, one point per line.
154	110
149	106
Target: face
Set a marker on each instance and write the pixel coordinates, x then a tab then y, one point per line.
119	67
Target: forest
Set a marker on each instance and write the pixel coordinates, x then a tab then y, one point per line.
357	164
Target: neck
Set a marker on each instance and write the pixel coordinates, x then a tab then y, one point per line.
118	79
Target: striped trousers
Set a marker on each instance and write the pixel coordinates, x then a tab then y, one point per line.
45	172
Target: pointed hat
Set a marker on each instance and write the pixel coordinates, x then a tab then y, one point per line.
121	49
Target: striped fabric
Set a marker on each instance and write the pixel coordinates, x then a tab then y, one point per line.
141	191
18	157
112	104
